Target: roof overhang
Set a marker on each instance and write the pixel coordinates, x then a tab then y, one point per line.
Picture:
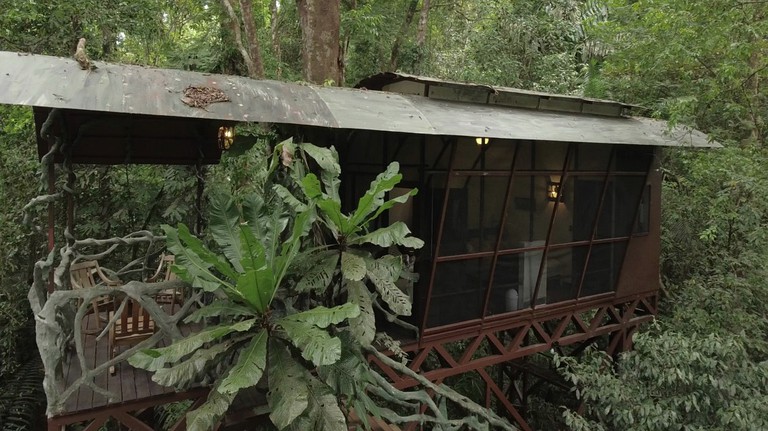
136	94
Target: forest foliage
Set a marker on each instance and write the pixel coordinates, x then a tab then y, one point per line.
697	63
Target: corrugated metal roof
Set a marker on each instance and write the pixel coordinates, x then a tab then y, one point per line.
507	96
54	82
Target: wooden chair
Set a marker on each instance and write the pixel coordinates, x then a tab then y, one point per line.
84	275
132	326
164	273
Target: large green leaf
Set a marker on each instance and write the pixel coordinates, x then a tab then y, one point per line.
185	346
328	160
224	221
257	287
188	371
316	344
338	222
189	266
311	186
323	411
145	361
298	400
319	276
390	203
291	246
266	222
323	317
362	327
288	197
374	197
352	266
288	397
207	256
254	255
205	417
394	234
249	367
222	309
383	273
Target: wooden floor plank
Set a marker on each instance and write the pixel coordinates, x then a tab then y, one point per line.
128	384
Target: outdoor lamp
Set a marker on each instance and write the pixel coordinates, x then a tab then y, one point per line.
226	137
482	141
553	191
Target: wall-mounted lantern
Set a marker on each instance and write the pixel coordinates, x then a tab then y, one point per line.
553	191
482	141
226	137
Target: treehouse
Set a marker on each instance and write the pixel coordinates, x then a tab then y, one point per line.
540	213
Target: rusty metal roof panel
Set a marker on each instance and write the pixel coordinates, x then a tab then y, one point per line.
507	96
53	82
375	110
479	120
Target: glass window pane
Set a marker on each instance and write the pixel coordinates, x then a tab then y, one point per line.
497	154
524	160
619	206
577	212
437	152
644	212
528	212
514	281
473	214
562	274
603	269
592	157
459	290
550	156
633	158
428	204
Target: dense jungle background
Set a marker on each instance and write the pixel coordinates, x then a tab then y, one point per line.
702	365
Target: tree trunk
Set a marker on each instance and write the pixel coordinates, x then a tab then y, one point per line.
251	53
421	36
320	21
274	25
409	14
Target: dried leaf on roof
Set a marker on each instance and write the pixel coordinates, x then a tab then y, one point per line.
201	97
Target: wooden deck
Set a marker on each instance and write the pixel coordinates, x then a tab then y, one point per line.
133	388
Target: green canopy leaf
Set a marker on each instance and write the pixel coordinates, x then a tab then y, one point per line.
394	234
352	266
224	221
316	344
205	417
323	317
222	309
384	273
374	197
188	371
289	395
185	346
189	266
362	327
257	287
319	277
249	367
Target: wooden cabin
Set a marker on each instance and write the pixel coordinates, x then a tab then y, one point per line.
540	212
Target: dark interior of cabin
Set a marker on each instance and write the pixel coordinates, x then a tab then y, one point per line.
524	224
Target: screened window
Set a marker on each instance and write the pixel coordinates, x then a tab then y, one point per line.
528	224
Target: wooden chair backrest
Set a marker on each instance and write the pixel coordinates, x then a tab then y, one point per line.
134	320
81	274
164	272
